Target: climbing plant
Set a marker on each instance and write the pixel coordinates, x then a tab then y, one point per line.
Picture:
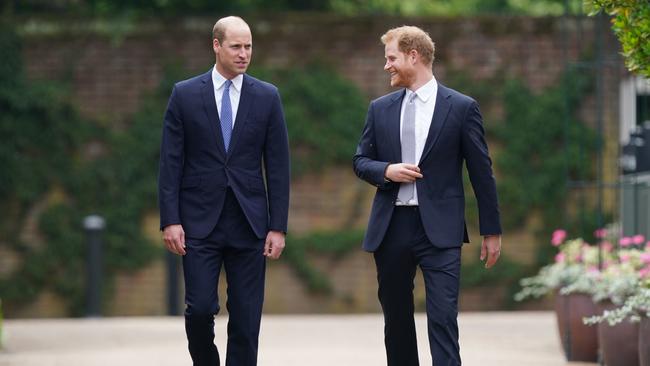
543	144
324	113
47	153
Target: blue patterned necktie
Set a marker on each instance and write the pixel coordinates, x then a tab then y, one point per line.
226	115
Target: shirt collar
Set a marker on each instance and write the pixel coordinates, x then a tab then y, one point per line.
425	91
218	80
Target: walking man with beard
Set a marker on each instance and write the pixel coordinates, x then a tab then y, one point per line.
412	149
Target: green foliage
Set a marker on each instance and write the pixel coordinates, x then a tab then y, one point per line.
506	273
335	243
543	145
39	129
450	8
47	149
631	24
163	7
348	7
324	114
474	274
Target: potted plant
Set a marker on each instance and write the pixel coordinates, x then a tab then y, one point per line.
570	277
623	323
641	302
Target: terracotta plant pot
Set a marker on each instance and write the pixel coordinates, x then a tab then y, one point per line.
644	342
619	344
579	341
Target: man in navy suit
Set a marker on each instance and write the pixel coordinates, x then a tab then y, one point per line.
221	131
412	149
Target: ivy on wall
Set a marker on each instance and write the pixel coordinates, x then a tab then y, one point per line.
345	7
333	243
49	148
324	113
543	145
41	132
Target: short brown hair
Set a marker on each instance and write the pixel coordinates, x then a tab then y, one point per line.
412	38
219	29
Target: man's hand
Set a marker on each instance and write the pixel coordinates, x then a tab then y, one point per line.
403	173
491	248
274	244
174	238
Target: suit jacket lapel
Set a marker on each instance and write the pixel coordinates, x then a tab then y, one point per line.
440	113
210	106
393	116
242	111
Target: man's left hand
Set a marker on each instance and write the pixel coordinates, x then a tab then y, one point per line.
274	244
491	248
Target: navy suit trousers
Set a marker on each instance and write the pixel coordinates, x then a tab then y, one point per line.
233	245
405	247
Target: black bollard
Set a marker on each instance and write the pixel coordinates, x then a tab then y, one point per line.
94	226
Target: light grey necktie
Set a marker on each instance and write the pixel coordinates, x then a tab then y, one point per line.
407	190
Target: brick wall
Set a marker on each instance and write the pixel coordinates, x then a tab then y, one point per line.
109	75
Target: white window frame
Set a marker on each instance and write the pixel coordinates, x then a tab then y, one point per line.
630	88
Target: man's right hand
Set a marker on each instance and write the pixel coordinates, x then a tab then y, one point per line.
403	173
174	238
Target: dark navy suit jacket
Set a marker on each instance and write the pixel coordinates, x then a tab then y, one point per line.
456	135
195	169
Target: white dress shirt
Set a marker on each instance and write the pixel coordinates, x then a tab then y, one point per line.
425	103
235	91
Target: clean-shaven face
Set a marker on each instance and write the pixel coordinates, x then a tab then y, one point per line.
399	65
234	53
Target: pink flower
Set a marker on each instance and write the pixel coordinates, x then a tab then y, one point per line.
558	237
559	258
600	233
645	258
638	239
625	241
592	269
578	258
624	258
606	246
647	246
644	272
